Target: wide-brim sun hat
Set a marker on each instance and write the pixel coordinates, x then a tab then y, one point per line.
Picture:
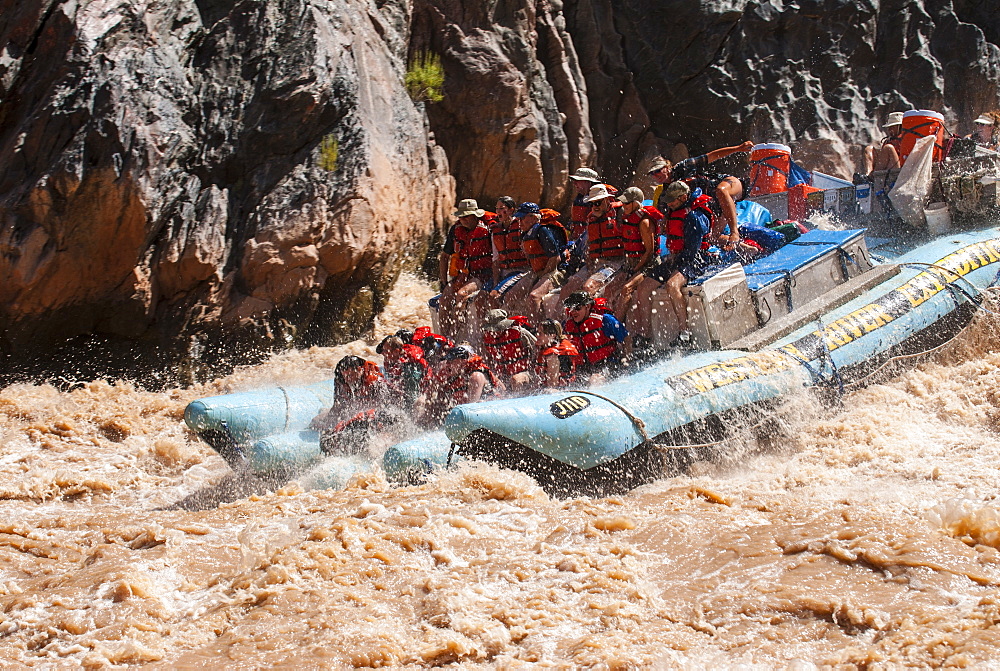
585	175
894	119
659	163
468	207
984	120
597	192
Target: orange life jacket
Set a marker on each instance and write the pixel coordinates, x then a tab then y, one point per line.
675	222
590	340
507	240
580	211
568	356
631	237
533	250
506	351
473	247
604	238
422	332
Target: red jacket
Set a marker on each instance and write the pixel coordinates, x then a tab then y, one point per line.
674	229
506	351
590	340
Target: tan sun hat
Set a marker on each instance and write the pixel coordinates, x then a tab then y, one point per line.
633	194
984	120
586	175
597	192
894	119
467	207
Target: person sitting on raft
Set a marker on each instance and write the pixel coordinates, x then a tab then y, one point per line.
470	241
597	337
359	407
508	349
432	344
461	377
725	190
605	246
543	239
557	357
406	370
689	222
640	225
886	155
510	266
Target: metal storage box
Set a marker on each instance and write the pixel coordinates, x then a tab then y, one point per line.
720	309
805	269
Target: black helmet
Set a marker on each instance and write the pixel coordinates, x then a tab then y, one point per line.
578	298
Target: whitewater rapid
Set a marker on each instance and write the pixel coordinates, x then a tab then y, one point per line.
862	536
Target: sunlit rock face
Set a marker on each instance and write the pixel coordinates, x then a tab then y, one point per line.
178	170
515	119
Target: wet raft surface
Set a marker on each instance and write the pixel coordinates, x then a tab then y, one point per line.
867	537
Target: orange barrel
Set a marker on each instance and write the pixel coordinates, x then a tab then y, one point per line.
918	124
769	166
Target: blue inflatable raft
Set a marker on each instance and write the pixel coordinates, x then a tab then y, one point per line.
592	440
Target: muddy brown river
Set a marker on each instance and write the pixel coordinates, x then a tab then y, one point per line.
865	536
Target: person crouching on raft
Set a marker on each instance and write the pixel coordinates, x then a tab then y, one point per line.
406	370
724	189
597	337
557	356
359	408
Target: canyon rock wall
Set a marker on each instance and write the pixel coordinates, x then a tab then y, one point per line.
207	179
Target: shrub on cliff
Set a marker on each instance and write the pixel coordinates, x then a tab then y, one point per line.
425	77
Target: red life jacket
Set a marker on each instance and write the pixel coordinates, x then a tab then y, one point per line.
474	247
409	354
456	387
675	223
507	240
422	332
604	239
506	351
632	238
590	340
568	356
370	392
533	250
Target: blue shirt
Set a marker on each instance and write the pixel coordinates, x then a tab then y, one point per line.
613	328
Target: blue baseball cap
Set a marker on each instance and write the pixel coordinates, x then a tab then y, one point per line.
528	208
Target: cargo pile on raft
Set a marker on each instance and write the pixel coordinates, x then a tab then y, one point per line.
602	351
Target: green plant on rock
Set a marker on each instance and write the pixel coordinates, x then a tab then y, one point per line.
425	78
329	148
